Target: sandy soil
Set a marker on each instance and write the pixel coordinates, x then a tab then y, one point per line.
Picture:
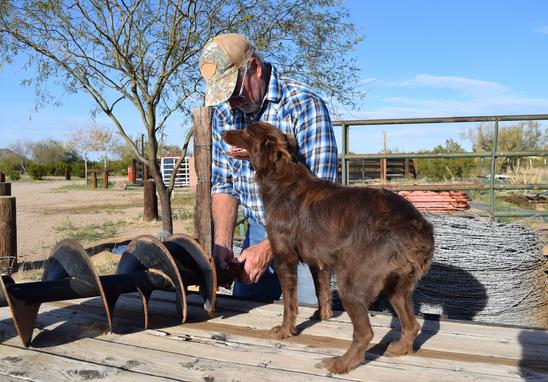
46	208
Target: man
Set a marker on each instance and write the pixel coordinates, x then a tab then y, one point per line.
245	89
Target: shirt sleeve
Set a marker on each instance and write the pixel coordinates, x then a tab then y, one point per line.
316	139
221	174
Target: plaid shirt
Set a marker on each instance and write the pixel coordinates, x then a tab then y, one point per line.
294	109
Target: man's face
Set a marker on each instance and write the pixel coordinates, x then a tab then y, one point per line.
249	91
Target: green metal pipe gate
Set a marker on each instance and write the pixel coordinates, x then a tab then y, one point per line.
493	155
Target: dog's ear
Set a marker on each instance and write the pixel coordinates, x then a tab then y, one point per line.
292	147
275	149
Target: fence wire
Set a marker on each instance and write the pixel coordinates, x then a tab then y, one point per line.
483	271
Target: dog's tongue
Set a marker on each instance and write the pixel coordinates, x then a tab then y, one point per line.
234	150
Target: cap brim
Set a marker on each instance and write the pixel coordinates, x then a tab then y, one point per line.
220	91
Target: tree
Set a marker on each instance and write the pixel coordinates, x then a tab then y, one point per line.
145	53
445	168
23	149
80	140
104	141
521	136
47	151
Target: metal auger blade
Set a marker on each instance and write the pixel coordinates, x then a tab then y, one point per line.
70	260
191	256
23	314
145	253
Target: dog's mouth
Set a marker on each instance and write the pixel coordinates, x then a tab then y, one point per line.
237	151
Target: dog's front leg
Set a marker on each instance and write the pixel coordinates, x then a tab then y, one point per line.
287	274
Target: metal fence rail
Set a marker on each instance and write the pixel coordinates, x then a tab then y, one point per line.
493	155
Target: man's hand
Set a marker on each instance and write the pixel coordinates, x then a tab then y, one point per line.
256	259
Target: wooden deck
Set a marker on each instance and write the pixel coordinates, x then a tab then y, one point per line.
71	344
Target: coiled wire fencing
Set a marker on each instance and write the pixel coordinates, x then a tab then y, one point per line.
482	271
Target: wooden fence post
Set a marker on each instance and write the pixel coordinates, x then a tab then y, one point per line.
150	201
5	189
201	118
93	179
2	177
105	179
8	234
67	173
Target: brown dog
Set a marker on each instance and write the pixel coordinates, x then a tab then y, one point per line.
373	240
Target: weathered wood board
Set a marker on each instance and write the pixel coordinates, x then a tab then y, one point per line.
71	343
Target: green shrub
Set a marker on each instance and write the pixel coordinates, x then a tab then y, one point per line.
10	164
445	168
37	171
13	174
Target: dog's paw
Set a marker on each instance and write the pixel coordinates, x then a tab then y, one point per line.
340	365
280	332
397	348
322	314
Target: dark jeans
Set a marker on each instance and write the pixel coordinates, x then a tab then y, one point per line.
268	287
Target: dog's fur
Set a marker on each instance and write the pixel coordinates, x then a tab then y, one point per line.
373	240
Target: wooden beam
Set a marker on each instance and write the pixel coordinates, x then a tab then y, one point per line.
201	118
5	189
8	234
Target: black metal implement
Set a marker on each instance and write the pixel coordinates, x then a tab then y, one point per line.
145	266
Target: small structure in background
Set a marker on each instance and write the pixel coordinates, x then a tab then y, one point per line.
186	175
360	170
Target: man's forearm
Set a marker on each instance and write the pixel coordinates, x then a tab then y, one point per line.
224	209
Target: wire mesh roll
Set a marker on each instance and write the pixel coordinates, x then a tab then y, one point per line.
483	271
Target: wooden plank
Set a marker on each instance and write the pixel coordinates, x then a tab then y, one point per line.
247	323
146	355
263	317
39	365
244	326
196	352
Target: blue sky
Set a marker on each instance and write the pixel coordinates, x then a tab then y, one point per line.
419	58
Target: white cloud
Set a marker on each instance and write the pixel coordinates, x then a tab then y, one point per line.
463	84
543	29
427	95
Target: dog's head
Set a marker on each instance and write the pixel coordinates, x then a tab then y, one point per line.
261	143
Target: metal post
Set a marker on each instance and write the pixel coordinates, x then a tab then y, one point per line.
493	170
344	162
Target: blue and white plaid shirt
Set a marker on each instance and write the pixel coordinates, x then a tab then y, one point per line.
294	109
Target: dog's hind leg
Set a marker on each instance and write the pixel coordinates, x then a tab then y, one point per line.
401	301
323	293
355	299
287	274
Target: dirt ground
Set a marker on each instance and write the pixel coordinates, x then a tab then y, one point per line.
51	210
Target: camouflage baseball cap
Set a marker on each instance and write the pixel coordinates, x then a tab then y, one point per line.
219	63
